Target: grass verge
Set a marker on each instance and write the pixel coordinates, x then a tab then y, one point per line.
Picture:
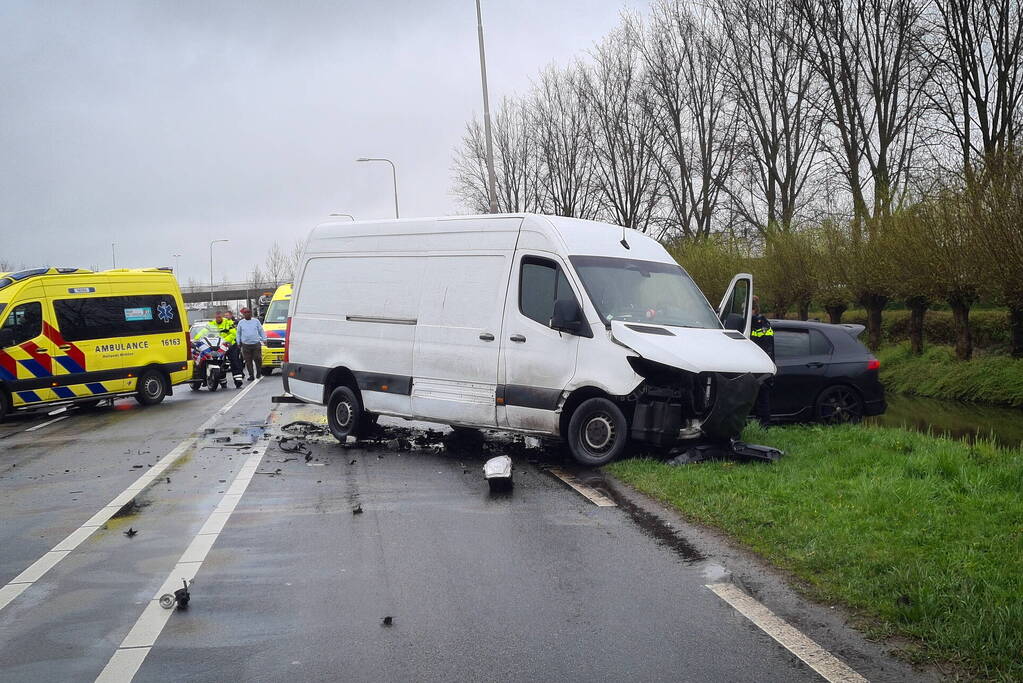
922	536
990	378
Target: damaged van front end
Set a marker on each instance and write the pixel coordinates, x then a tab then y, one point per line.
697	384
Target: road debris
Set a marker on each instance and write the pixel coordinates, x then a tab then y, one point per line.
387	621
305	428
180	597
131	533
498	473
357	510
353	461
292	444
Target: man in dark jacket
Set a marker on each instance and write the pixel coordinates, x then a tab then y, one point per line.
762	335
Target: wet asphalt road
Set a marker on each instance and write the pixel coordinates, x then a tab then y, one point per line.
540	584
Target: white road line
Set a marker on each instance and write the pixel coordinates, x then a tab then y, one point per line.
38	569
592	494
48	422
128	658
816	657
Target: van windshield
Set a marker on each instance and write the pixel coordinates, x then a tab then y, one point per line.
644	291
278	311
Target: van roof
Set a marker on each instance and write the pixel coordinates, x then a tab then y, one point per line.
577	236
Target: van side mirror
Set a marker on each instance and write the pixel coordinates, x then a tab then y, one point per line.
567	316
735	321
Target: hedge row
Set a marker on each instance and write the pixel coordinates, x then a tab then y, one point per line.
990	327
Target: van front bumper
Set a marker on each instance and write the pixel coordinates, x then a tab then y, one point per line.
661	412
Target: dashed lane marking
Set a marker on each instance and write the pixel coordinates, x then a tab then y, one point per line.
592	494
126	661
40	567
816	657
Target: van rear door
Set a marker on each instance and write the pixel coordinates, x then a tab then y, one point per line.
457	337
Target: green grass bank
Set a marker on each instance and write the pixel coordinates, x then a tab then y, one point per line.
988	377
921	536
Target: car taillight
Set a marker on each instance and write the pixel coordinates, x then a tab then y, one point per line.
873	364
287	336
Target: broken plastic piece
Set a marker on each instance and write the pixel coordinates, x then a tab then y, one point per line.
498	473
180	597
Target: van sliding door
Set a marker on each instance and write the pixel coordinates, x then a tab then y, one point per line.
456	349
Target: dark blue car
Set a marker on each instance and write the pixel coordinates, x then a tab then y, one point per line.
824	373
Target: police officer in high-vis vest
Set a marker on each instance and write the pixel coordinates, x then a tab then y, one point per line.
762	335
224	326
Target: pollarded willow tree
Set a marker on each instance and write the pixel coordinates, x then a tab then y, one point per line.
874	61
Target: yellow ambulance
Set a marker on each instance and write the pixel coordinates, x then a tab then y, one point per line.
274	324
69	335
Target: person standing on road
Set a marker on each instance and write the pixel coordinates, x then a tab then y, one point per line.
762	335
251	337
234	355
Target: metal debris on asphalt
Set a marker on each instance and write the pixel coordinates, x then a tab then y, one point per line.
181	597
357	510
130	533
388	621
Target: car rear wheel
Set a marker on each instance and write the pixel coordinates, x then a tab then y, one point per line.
597	432
152	388
839	404
344	413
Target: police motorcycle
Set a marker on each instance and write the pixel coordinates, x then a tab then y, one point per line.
212	364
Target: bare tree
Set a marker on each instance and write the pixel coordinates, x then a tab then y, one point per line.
276	267
688	102
295	259
515	162
559	123
979	85
622	135
256	280
778	98
872	57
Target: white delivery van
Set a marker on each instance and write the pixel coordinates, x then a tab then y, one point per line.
536	324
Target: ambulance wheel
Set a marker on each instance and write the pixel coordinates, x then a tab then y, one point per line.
344	413
597	432
267	371
195	386
152	388
3	406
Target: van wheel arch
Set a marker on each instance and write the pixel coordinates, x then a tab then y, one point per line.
340	377
576	398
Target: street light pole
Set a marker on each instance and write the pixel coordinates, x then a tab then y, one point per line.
394	178
211	269
491	178
113	254
176	263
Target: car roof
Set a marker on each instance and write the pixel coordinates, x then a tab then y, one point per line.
849	341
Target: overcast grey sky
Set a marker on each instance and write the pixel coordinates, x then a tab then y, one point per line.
163	125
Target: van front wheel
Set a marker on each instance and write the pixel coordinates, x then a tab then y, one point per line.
597	432
344	413
152	388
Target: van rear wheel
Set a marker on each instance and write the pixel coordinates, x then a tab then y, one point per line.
151	388
344	413
597	432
